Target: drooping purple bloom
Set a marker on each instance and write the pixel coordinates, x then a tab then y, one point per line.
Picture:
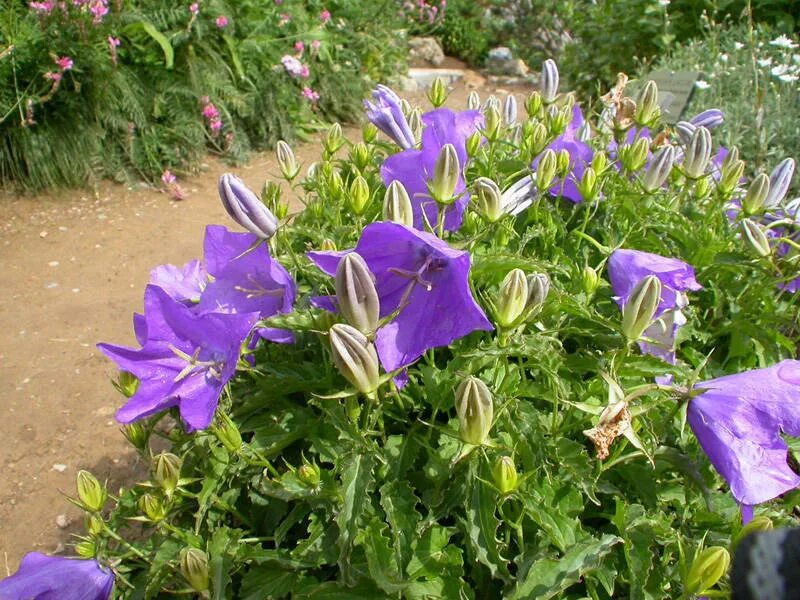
414	168
184	285
422	276
246	280
738	420
42	577
626	268
244	207
185	360
385	113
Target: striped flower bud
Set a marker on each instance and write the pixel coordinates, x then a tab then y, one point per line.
505	475
397	205
639	310
533	104
756	237
707	569
538	138
492	121
369	132
166	471
546	170
244	207
538	289
510	110
756	194
445	175
659	169
437	93
559	120
416	124
152	508
91	492
590	280
356	293
475	410
512	299
711	118
358	196
227	432
492	102
779	181
287	161
549	81
756	525
489	199
698	153
685	131
587	186
647	109
562	162
355	357
473	143
360	155
474	101
194	568
334	139
634	156
731	173
599	162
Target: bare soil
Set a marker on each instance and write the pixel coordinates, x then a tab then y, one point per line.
73	266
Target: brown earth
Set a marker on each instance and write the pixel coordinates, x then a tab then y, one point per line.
74	266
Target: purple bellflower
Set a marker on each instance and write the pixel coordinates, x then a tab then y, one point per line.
626	268
184	285
738	420
246	280
385	113
422	277
415	168
42	577
185	361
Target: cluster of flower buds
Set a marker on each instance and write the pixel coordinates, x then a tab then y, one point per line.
520	297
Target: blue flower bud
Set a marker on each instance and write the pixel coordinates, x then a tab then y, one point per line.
510	110
245	208
659	169
685	131
779	182
711	118
698	153
549	81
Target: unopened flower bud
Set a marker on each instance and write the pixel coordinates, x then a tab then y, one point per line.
286	160
473	143
640	309
731	158
369	133
94	524
137	435
546	170
356	293
549	81
779	181
397	205
309	474
244	207
491	123
355	357
91	492
707	569
562	162
533	104
756	194
711	118
512	299
537	139
405	107
702	187
587	186
227	432
698	153
445	175
634	156
86	549
475	410
152	508
271	197
757	524
659	169
437	94
194	568
328	245
166	470
599	162
336	186
505	475
334	139
473	101
492	102
127	384
685	131
510	110
360	156
590	280
731	174
358	198
559	120
415	124
756	237
538	289
647	107
488	198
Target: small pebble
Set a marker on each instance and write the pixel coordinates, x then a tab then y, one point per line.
52	263
62	521
59	467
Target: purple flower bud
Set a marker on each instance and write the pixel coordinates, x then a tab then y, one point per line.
387	115
685	131
510	110
711	118
245	208
659	169
698	153
779	181
549	81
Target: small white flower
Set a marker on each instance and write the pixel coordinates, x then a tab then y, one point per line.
783	42
738	45
723	58
702	85
780	70
664	2
788	78
764	62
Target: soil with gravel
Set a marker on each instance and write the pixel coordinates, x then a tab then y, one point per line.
74	267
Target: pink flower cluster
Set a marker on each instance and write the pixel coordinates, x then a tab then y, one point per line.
423	12
170	182
222	21
325	16
294	67
211	114
98	8
64	63
310	95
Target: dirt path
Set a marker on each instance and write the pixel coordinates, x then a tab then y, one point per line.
74	266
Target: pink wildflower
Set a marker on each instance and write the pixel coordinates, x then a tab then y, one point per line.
168	177
43	7
53	75
215	125
222	21
194	8
210	111
304	72
64	63
299	46
325	16
310	94
293	66
113	43
315	44
99	9
284	19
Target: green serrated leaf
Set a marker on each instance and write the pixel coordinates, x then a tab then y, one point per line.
398	502
265	582
380	558
482	524
356	481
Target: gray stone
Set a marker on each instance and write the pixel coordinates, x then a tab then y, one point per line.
405	84
501	62
425	51
426	77
500	54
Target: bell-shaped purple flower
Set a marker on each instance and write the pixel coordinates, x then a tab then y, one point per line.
415	168
184	285
42	577
385	113
738	420
185	361
626	268
422	277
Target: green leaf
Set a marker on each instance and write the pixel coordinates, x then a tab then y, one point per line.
159	38
433	555
398	502
220	562
356	481
380	559
547	577
550	509
482	524
266	582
